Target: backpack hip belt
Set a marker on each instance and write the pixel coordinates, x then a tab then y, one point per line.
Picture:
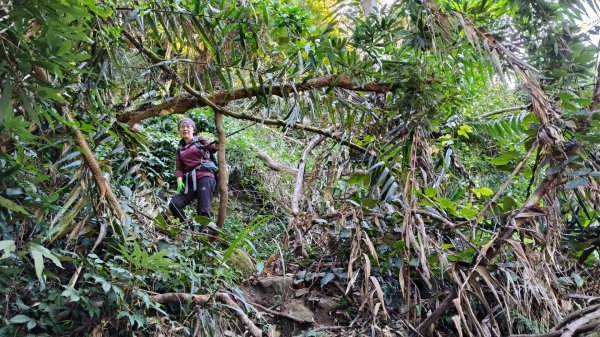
207	166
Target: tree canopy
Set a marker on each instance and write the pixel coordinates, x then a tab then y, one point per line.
431	165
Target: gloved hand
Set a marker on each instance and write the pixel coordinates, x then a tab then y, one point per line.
179	186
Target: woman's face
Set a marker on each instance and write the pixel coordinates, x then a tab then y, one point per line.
186	131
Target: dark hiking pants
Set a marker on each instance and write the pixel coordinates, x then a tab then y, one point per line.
205	187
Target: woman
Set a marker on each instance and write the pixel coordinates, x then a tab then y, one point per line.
195	172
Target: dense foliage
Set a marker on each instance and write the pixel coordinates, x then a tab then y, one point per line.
432	165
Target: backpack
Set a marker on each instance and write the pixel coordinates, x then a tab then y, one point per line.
206	154
211	165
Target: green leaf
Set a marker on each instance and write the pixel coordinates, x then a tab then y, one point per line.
47	254
38	252
484	191
464	131
469	212
580	182
580	172
38	263
500	161
577	279
31	324
5	97
126	191
71	294
358	179
446	203
19	319
326	279
508	204
10	205
8	246
369	202
431	192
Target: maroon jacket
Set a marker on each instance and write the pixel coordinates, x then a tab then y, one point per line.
189	156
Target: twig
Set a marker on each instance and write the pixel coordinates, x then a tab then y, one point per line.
282	314
197	326
447	222
497	112
439	311
506	183
583	297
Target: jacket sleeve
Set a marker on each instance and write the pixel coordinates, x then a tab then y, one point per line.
211	147
178	165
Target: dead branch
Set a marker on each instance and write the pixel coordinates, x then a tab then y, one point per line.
588	298
275	166
501	111
582	329
439	311
572	327
202	299
575	315
223	177
298	188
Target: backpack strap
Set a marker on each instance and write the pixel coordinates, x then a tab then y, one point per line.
213	168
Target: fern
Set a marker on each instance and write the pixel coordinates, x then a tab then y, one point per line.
506	126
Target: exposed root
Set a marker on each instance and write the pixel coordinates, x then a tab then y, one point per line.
202	299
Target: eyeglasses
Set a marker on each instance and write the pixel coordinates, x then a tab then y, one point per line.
185	126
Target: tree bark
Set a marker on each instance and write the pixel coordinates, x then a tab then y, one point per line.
596	95
104	189
273	165
223	176
184	102
298	188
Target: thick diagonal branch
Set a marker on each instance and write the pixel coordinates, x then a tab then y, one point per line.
184	102
273	165
104	189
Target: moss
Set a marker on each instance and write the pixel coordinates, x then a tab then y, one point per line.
241	261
